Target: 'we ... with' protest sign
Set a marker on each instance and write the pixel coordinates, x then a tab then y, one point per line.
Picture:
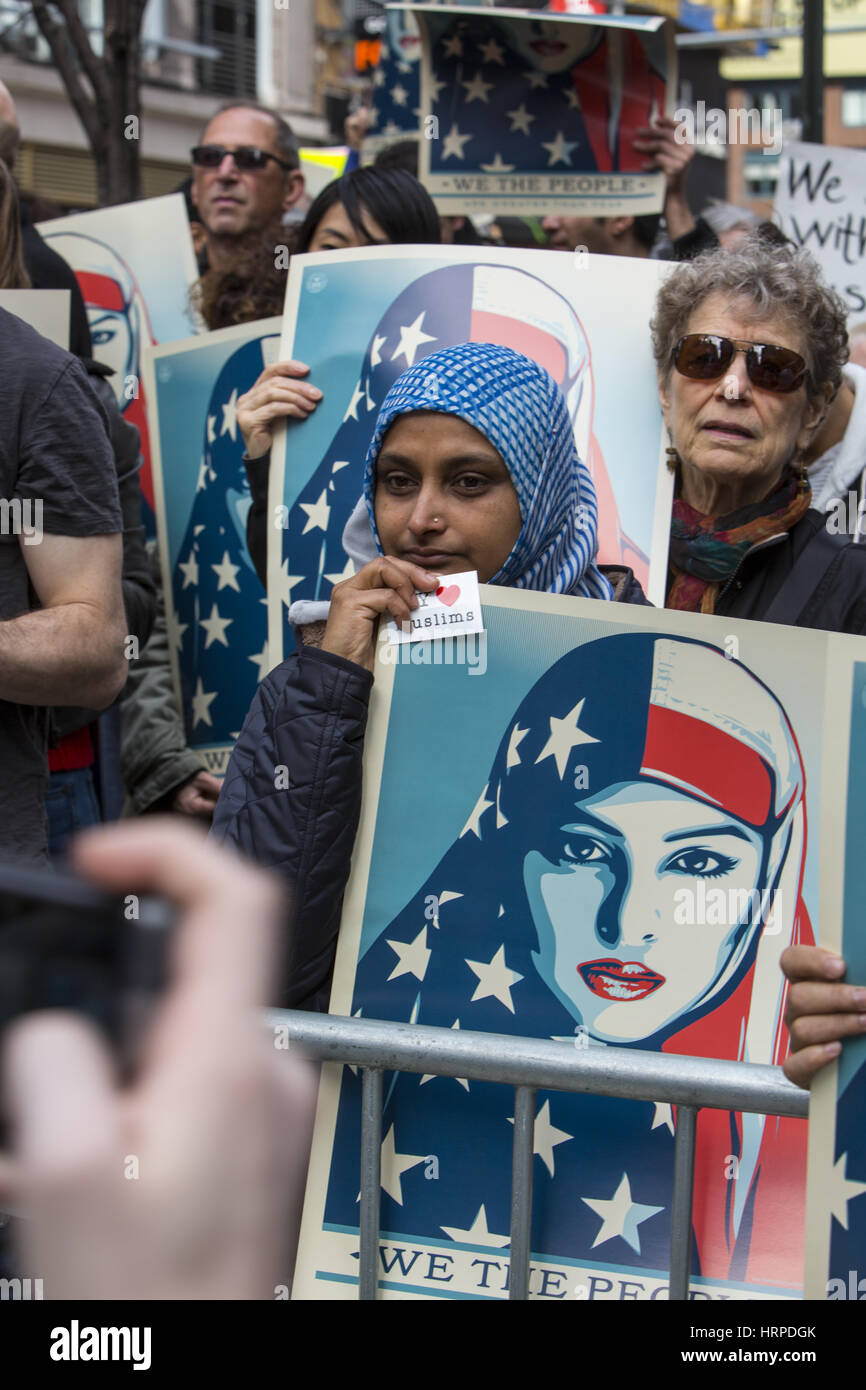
821	204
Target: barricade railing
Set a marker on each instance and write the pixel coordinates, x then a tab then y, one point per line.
530	1065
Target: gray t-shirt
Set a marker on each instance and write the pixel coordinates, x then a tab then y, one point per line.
57	476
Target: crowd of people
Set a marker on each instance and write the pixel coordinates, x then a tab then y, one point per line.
765	417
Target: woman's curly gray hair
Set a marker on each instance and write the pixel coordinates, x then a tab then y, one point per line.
776	282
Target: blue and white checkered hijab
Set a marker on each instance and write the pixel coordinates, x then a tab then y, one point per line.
519	408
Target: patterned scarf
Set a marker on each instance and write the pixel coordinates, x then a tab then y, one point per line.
520	409
706	550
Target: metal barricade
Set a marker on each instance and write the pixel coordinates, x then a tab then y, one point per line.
530	1065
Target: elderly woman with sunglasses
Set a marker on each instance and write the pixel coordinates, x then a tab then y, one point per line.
749	346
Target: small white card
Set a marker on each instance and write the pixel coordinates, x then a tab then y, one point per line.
452	610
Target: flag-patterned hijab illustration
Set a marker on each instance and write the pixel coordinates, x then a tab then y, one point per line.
640	775
540	96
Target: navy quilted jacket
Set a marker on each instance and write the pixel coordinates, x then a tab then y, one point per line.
291	800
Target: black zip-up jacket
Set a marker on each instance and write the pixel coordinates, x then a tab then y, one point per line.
838	602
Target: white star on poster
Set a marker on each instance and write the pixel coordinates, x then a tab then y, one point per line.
227	573
177	630
399	95
501	818
564	736
394	1165
620	1215
431	1076
495	980
536	79
413	957
571	97
352	407
190	570
843	1191
559	149
497	167
512	757
338	464
477	89
318	513
215	627
203	470
546	1137
662	1115
371	404
435	88
392	130
411	338
520	119
287	583
262	662
211	429
378	77
347	573
477	1234
375	351
201	703
230	416
452	47
492	52
481	805
454	143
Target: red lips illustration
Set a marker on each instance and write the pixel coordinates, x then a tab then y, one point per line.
620	980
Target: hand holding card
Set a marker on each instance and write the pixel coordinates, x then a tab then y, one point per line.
452	610
385	586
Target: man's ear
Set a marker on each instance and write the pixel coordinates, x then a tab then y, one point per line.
664	400
295	189
816	414
619	226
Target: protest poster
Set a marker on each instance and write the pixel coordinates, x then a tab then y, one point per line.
215	603
617	856
529	115
394	305
135	265
45	310
395	110
836	1199
819	205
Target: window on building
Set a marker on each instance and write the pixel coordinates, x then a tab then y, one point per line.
854	106
230	26
761	176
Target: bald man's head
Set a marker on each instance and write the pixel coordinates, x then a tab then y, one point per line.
10	132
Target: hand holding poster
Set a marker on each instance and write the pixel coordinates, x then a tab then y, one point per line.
820	205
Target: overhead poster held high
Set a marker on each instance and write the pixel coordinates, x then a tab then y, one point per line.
531	115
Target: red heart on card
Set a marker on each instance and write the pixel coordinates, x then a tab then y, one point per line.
449	595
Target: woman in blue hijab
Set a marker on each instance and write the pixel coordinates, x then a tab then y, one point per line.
472	466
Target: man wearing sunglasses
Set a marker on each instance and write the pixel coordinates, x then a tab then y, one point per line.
246	176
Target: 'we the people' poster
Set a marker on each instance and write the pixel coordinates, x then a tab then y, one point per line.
136	266
634	824
530	114
215	604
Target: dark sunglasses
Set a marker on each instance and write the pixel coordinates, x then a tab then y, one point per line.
705	357
248	158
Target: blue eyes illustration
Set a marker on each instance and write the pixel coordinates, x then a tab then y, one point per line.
101	336
579	850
